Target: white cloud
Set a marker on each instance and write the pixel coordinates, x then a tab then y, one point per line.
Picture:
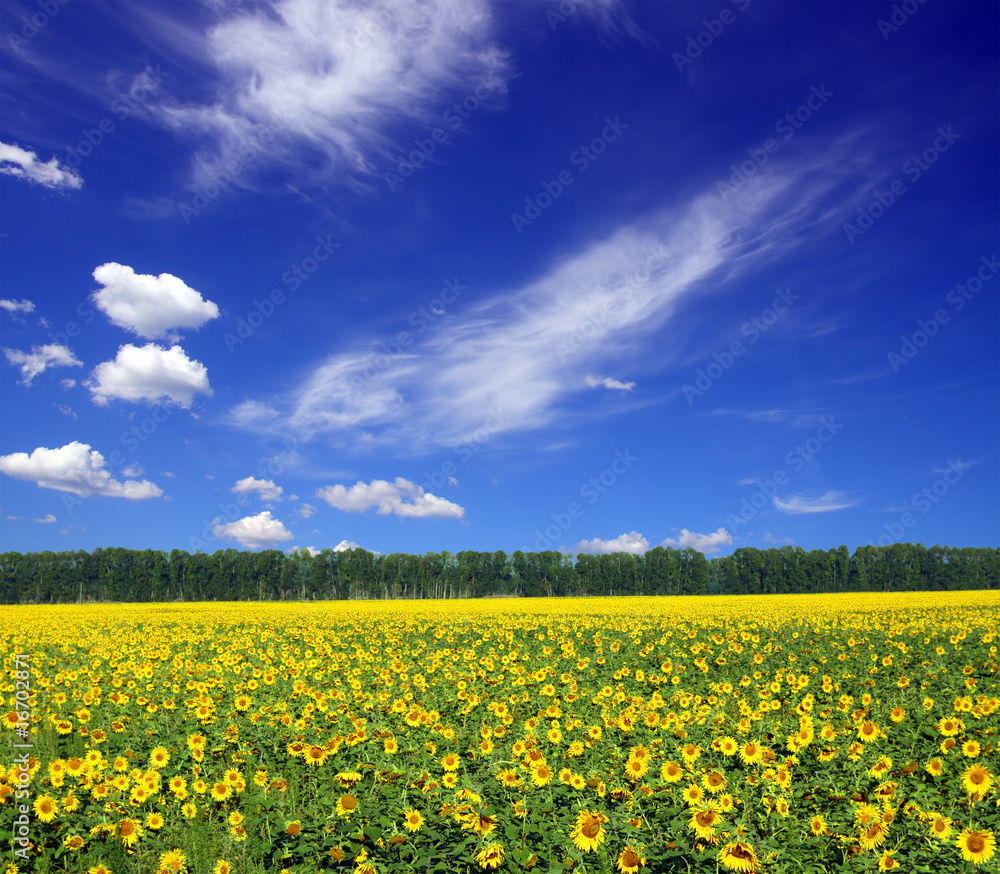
608	382
74	468
402	497
254	531
149	373
306	511
633	542
331	78
15	161
704	543
169	475
265	489
67	383
801	504
526	351
150	306
41	358
345	546
17	306
47	519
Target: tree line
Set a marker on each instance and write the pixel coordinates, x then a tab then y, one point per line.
147	575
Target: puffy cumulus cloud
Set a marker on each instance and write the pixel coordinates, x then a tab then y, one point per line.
633	542
40	358
74	468
149	373
15	161
402	497
17	306
802	504
704	543
150	306
254	532
265	489
47	519
346	546
331	79
609	382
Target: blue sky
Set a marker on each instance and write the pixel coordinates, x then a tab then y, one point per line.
455	275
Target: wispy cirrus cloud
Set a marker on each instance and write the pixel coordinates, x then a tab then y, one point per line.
332	78
528	350
24	164
803	504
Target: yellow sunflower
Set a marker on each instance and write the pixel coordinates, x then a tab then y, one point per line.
346	805
738	856
630	860
977	780
976	846
588	833
414	821
490	857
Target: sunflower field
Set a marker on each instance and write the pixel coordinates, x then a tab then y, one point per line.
798	733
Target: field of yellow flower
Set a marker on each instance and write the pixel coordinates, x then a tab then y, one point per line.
773	734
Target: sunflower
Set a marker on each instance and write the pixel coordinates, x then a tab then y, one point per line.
941	827
154	821
222	867
976	846
347	778
693	794
221	791
451	762
865	814
73	842
346	805
630	860
704	820
671	772
173	860
728	746
490	857
315	755
159	757
414	821
738	856
873	835
635	769
817	825
189	810
541	775
886	862
588	833
971	749
977	780
868	731
129	831
45	808
714	782
934	767
99	868
751	753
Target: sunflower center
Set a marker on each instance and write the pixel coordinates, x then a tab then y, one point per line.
629	858
975	844
349	802
591	827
